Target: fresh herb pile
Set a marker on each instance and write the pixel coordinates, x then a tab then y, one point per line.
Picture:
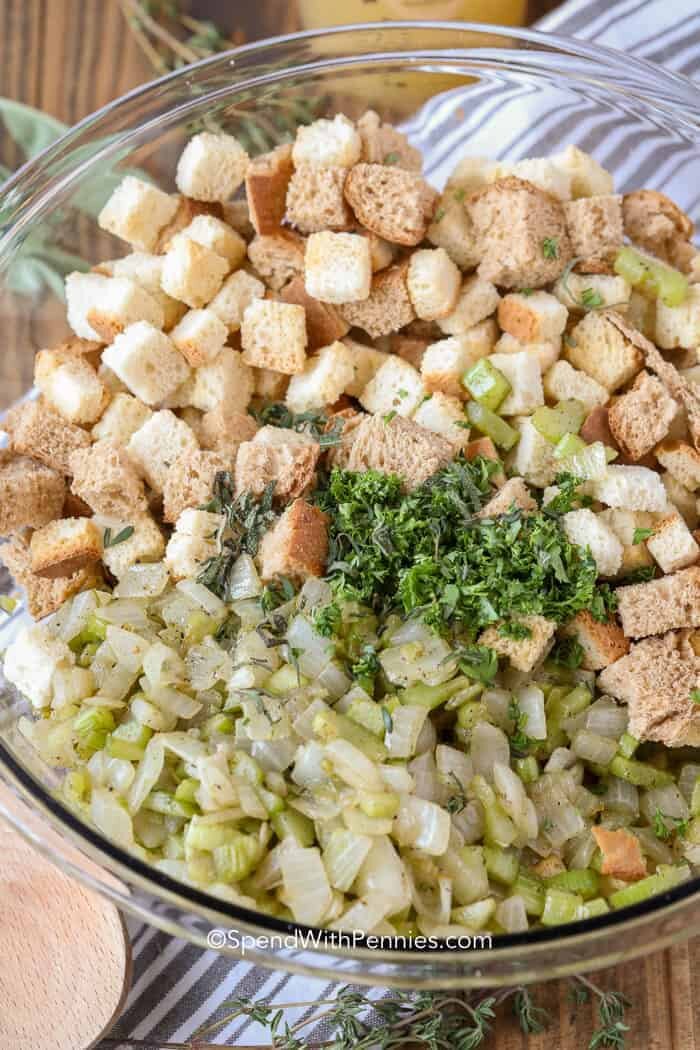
246	519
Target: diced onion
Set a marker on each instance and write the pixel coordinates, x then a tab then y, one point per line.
149	770
244	581
489	745
110	817
143	580
383	872
423	825
407	723
362	915
511	914
306	886
202	596
352	766
531	703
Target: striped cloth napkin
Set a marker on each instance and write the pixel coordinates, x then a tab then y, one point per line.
177	988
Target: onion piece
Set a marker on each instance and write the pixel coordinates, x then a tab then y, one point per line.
149	770
423	825
531	703
306	887
111	818
352	766
143	580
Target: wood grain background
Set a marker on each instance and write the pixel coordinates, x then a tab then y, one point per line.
69	57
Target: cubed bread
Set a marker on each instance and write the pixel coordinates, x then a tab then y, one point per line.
106	478
325	377
522	653
657	606
563	382
452	229
31	494
269	385
237	214
396	204
37	430
146	271
477	300
681	460
289	463
434	283
656	223
523	373
602	643
632	488
443	414
193	543
542	172
200	336
546	354
192	273
595	227
682	499
146	360
61	547
626	525
514	495
224	429
337	267
187	210
395	388
445	362
190	481
512	219
533	456
122	417
266	182
225	380
156	445
409	348
145	544
278	257
71	385
469	174
332	143
111	381
211	167
589	531
102	307
388	307
679	326
603	351
315	199
136	212
324	324
297	545
384	144
640	419
237	292
672	545
273	335
534	318
588	177
219	237
582	291
366	362
44	596
381	253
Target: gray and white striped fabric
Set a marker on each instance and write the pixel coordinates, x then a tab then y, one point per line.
177	988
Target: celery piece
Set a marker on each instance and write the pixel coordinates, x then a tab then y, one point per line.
572	703
582	881
665	878
162	802
469	715
186	790
569	445
695	799
284	680
245	767
627	745
219	723
368	714
500	432
475	915
91	727
465	696
486	384
87	654
95	630
641	774
7	604
527	769
651	277
272	802
207	837
501	864
499	829
329	725
589	463
200	626
289	822
128	741
531	888
76	786
560	906
236	859
590	909
554	423
432	696
611	454
378	803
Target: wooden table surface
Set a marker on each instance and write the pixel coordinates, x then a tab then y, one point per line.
69	57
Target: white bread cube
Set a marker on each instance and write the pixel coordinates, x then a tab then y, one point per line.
453	230
237	292
338	267
682	499
672	546
603	351
533	456
71	385
137	212
523	373
641	314
200	336
366	362
562	382
219	237
396	387
211	167
445	362
159	442
273	335
122	417
632	488
624	523
100	307
326	376
469	175
31	661
588	177
444	415
586	529
111	382
544	353
146	360
146	543
535	318
227	380
327	144
192	273
679	325
600	290
477	300
682	461
540	171
146	271
192	543
434	283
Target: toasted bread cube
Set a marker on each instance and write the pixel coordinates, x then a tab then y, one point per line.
224	429
37	430
588	177
601	291
393	445
192	273
137	212
388	307
641	418
523	373
453	230
146	271
190	482
187	210
278	257
366	362
156	445
523	653
656	223
219	237
562	382
586	529
513	494
395	387
679	325
31	494
595	227
632	488
70	385
200	336
667	604
145	544
546	354
602	643
287	458
146	360
44	596
680	460
477	299
102	307
641	314
225	380
624	523
409	348
269	385
337	267
266	182
602	351
315	199
192	543
672	546
470	174
273	335
541	172
533	456
297	546
535	318
326	376
443	414
324	324
105	477
383	144
381	253
434	283
237	292
682	499
211	167
332	143
62	547
111	381
445	362
122	417
396	204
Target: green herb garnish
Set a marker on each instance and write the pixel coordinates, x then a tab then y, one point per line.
512	629
550	248
639	535
246	520
695	696
567	652
392	158
109	540
315	424
457	801
328	619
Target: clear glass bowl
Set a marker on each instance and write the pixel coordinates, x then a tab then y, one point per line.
456	88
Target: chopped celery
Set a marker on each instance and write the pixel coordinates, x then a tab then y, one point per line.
527	769
627	745
236	859
560	906
501	864
465	696
245	767
186	790
587	462
91	727
200	626
665	878
87	653
475	915
578	880
7	604
486	384
162	802
378	803
653	278
76	786
207	837
272	802
590	909
329	725
469	715
555	423
284	680
531	888
695	799
290	823
569	445
432	696
641	774
500	432
499	829
368	714
128	741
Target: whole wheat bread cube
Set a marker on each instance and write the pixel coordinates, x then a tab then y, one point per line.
105	477
102	307
366	362
289	463
190	482
393	446
297	545
381	253
136	212
679	326
640	419
660	605
443	414
587	530
534	318
388	307
147	361
445	362
44	596
337	267
581	291
71	385
409	348
211	167
192	543
324	323
595	227
476	301
325	377
31	494
237	292
522	653
452	229
631	488
513	495
278	257
219	237
156	445
192	273
225	380
332	143
680	460
562	382
523	373
603	351
395	387
396	204
200	336
434	283
61	547
656	223
123	415
37	430
384	144
224	429
588	177
266	182
546	354
273	335
672	545
602	643
315	199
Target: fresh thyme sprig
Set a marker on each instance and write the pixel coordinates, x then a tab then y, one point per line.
315	424
245	519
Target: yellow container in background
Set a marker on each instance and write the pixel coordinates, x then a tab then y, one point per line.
318	13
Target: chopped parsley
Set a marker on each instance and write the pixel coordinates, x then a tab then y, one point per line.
439	215
695	696
276	593
459	195
567	652
519	740
108	540
567	498
527	292
457	801
328	619
640	535
478	661
392	158
512	629
315	424
367	666
550	248
663	830
389	416
641	575
246	519
591	299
